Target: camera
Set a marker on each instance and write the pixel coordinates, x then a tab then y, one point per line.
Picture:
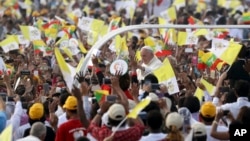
224	89
25	72
155	86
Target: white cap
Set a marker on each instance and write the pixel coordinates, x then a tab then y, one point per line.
174	119
116	112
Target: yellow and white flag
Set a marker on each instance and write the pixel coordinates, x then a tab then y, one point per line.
68	71
86	24
209	87
169	14
227	51
165	75
22	40
179	3
81	47
138	108
31	33
93	36
10	43
186	38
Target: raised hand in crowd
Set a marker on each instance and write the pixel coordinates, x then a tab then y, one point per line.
78	94
2	104
84	87
116	89
7	82
53	118
95	60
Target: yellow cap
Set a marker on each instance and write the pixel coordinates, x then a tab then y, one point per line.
208	110
44	11
35	14
71	103
36	111
8	12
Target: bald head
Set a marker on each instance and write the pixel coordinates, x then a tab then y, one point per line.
147	54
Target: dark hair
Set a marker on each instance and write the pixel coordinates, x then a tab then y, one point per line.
200	138
191	102
115	122
124	81
242	88
222	21
207	119
154	119
230	97
20	90
244	115
63	98
82	139
46	108
72	111
152	78
151	106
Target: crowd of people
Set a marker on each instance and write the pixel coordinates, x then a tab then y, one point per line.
190	97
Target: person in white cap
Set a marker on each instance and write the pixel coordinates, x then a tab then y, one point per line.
115	114
174	123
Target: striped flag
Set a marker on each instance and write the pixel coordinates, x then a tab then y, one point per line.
208	58
246	18
40	46
201	65
165	75
220	33
100	95
194	21
114	24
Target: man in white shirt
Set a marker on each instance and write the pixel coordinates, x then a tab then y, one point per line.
149	62
241	90
207	115
154	123
37	133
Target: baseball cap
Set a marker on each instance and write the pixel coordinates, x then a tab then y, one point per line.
208	110
116	112
199	129
174	119
70	103
36	111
